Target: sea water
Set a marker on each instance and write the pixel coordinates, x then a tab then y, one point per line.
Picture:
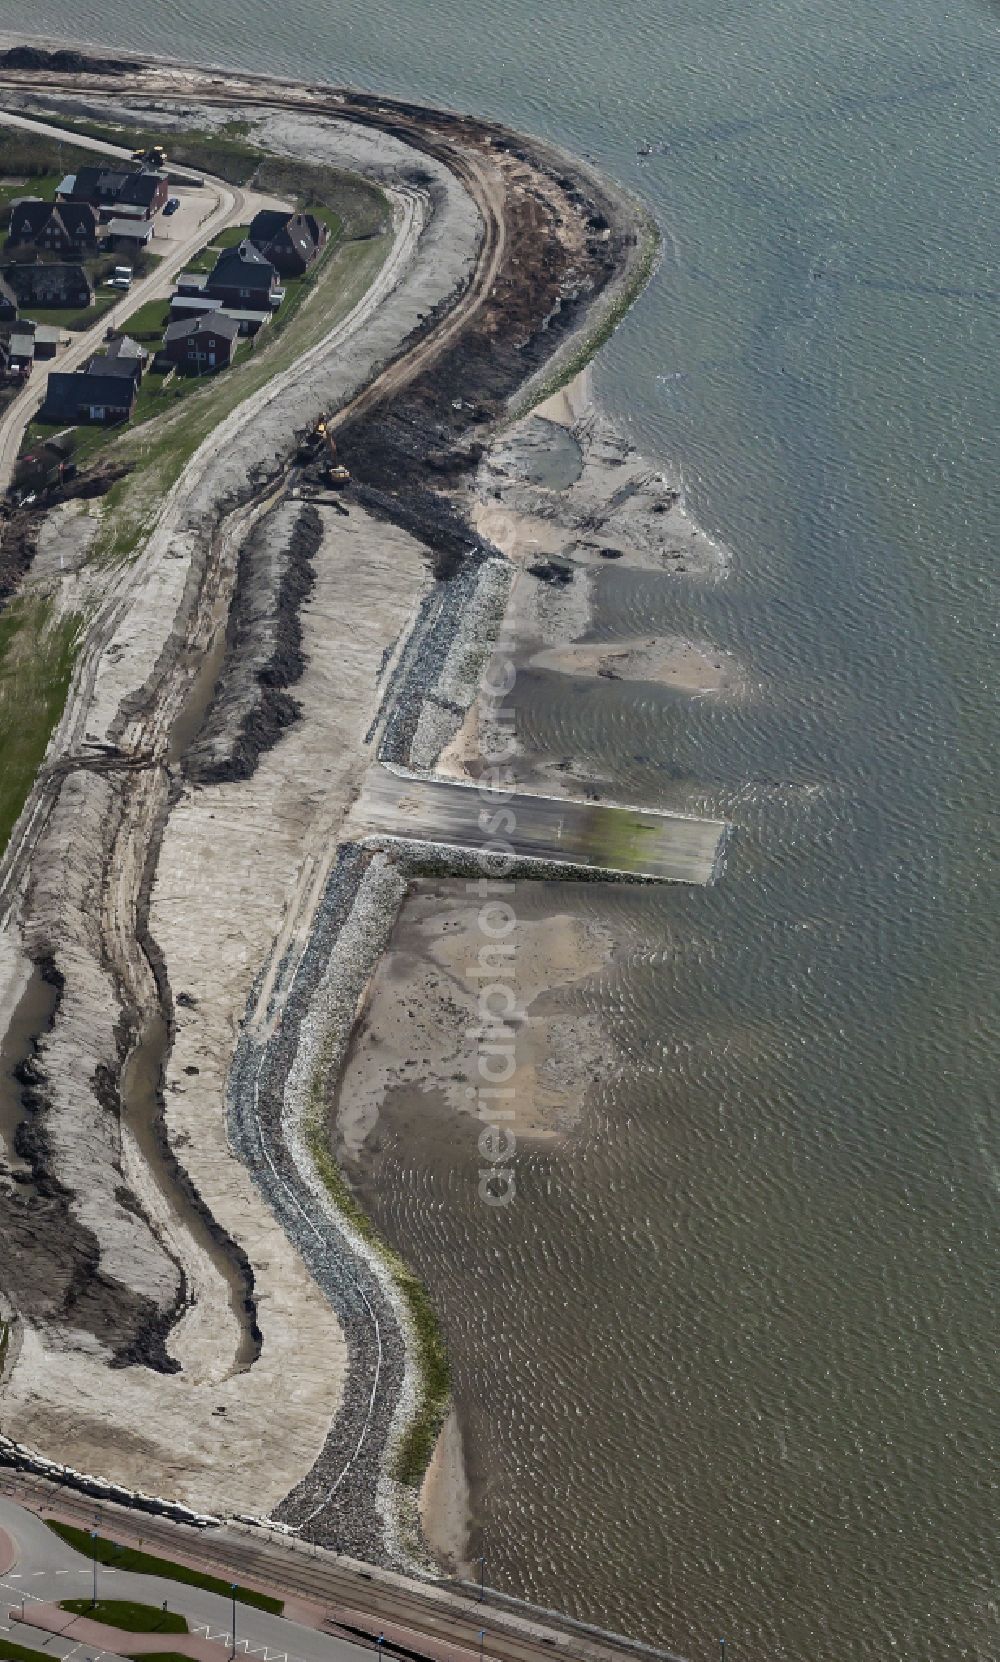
728	1366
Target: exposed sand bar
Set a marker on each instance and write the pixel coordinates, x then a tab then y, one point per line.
636	841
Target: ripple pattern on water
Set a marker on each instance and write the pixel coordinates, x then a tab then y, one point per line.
727	1366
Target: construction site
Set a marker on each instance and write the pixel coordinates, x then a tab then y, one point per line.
258	620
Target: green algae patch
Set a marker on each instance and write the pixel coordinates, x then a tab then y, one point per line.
600	329
417	1443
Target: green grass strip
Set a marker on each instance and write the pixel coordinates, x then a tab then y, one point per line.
37	654
128	1615
18	1653
157	1656
146	1563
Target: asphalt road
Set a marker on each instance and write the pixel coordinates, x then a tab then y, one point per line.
434	1614
47	1571
601	835
229	208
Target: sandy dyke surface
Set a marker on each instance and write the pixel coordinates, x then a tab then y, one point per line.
181	869
233	869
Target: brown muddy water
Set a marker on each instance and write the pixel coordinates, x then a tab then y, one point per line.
34	1011
141	1084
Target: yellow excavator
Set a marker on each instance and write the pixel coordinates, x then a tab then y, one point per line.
154	156
337	475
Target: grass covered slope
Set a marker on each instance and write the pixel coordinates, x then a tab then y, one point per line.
37	654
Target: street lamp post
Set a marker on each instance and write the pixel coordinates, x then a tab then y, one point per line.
232	1589
722	1650
380	1641
482	1636
93	1554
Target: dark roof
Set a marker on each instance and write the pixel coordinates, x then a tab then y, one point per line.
103	182
139	189
69	391
209	323
107	389
6	292
267	224
34	279
75	214
119	368
29	214
242	267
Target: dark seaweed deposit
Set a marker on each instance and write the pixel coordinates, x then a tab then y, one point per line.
252	706
51	1260
63	61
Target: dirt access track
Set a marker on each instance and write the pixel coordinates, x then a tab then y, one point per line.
168	1333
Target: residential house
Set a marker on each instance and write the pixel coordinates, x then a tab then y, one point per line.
120	192
129	236
113	361
291	241
187	305
21	347
242	277
202	343
16	357
129	351
144	192
65	286
8	302
90	395
12	366
66	228
47	339
99	186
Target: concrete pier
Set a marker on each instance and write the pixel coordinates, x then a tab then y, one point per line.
607	837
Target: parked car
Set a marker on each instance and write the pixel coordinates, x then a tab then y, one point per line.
121	277
171	205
